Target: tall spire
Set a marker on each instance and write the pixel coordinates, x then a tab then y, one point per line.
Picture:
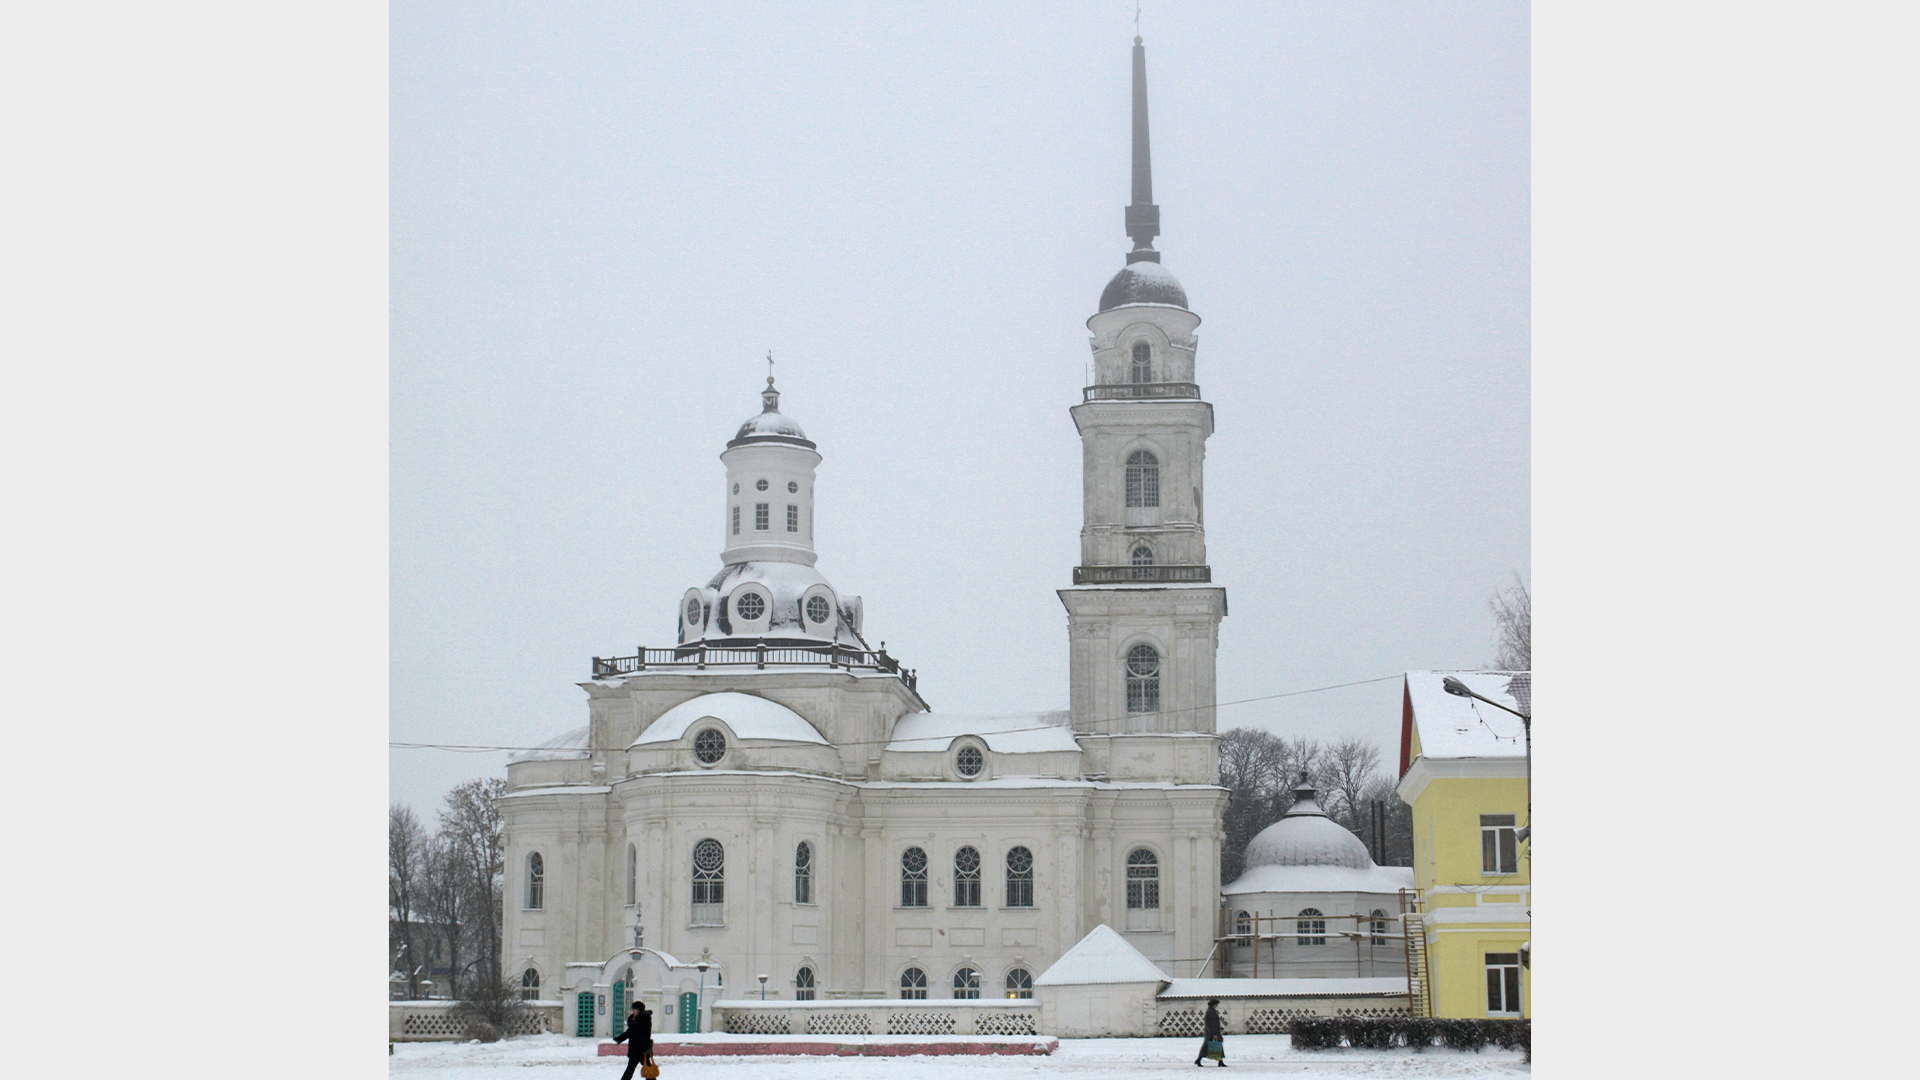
1143	217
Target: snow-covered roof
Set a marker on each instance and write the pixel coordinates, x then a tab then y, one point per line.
567	746
769	424
786	583
1004	733
1306	836
1460	727
1142	282
1103	956
1225	988
749	717
1273	878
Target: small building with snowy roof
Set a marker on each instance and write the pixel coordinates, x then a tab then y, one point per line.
1311	903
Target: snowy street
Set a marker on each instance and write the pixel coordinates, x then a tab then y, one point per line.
1145	1059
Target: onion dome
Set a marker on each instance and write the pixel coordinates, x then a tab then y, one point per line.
1306	836
770	426
1143	282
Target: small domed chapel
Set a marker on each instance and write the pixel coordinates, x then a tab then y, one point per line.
769	794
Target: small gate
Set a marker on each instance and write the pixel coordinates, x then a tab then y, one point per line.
583	1014
617	1019
689	1013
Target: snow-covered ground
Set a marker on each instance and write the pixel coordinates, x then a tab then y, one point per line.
1137	1059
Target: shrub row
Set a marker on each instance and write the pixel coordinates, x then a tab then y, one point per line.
1386	1032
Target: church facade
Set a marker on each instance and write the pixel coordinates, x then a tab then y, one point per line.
769	794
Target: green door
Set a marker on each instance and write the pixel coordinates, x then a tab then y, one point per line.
583	1015
689	1013
617	1019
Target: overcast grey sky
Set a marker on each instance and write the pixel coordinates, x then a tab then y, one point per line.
604	217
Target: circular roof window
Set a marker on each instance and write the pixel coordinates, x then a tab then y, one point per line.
693	610
759	485
969	761
818	609
792	487
750	606
709	746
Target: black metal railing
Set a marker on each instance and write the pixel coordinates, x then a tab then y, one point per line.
701	657
1110	575
1126	391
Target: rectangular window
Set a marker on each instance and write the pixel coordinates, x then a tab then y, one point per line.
760	517
1499	845
736	521
1503	984
793	518
913	892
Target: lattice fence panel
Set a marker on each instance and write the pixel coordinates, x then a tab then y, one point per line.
839	1023
433	1025
920	1023
1375	1011
1273	1021
1183	1022
997	1022
758	1024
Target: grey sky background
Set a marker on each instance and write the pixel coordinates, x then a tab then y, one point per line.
604	217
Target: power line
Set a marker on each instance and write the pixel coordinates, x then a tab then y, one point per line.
475	748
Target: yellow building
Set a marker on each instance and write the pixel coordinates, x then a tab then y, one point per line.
1464	771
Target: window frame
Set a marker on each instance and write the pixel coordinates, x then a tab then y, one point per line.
1143	480
762	517
803	873
1310	928
966	983
1143	690
1503	983
709	886
530	985
804	983
1140	368
536	891
700	751
633	873
793	517
1018	881
912	988
913	884
1143	890
966	883
1499	845
1019	983
1382	925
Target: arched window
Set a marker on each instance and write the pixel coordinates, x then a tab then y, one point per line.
633	874
530	985
913	880
1143	880
1141	557
1143	479
803	984
1143	679
1019	878
913	985
966	984
1243	927
709	883
966	878
536	882
1142	362
1311	927
1019	983
803	873
1379	928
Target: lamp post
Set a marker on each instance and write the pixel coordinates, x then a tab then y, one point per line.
702	997
763	988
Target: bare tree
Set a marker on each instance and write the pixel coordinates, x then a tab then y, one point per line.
1346	767
448	900
406	869
1512	626
1253	765
474	833
1398	849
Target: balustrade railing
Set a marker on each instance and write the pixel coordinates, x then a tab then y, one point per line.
1131	391
1111	575
701	657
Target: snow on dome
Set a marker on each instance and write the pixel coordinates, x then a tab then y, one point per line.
1143	283
1102	957
564	747
770	425
1004	733
1306	836
749	717
786	584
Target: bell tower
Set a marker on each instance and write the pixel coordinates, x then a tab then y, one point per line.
1143	615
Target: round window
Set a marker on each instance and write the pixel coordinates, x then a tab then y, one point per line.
736	489
750	606
759	485
709	746
693	610
969	761
818	609
792	487
1142	661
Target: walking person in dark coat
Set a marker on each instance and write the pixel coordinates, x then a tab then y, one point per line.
1214	1042
639	1039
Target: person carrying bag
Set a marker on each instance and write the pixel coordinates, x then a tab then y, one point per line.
1214	1044
639	1040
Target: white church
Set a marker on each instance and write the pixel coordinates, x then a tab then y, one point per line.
769	794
